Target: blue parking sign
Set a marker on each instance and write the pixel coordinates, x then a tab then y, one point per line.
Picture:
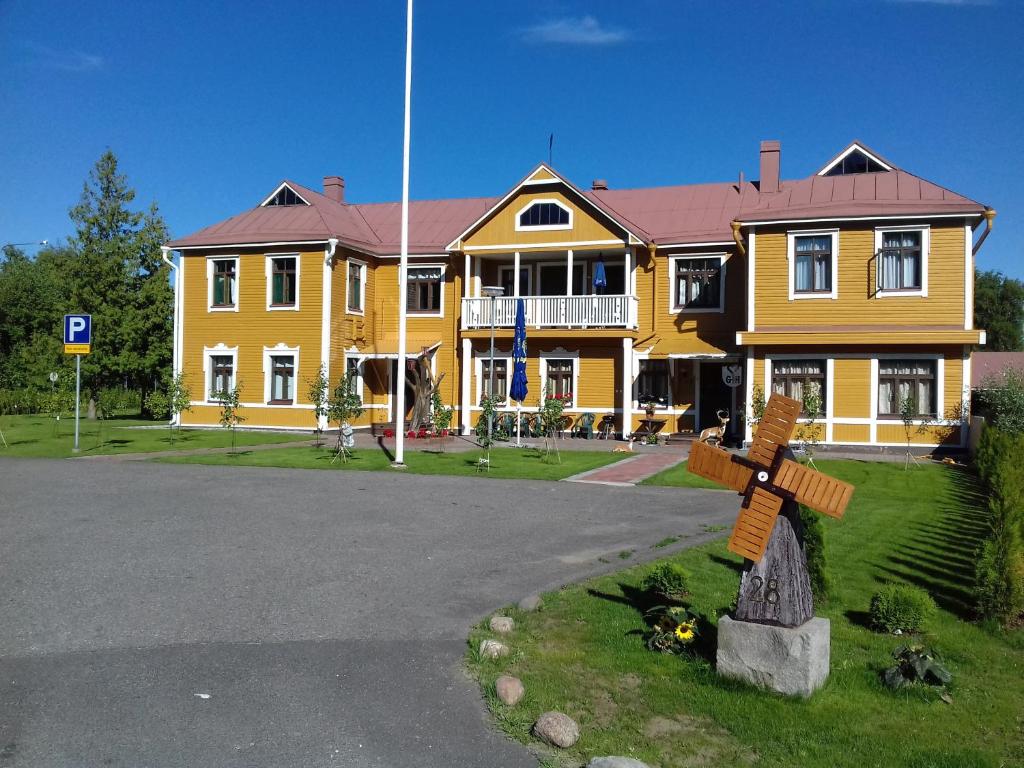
77	334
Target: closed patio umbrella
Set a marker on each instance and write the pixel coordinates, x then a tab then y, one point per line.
519	389
600	280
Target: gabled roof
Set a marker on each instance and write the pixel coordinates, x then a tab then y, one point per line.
693	213
992	365
544	174
862	148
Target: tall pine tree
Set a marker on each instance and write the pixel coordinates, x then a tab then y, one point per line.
122	282
999	309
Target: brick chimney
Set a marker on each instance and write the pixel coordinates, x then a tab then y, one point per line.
334	188
599	184
771	152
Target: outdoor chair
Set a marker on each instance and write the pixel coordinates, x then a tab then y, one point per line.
584	427
607	427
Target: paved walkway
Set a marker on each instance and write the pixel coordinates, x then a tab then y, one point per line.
632	471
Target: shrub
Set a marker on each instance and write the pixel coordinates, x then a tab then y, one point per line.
916	664
999	569
668	580
901	607
1002	398
814	550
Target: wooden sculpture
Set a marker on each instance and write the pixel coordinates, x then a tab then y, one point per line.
775	587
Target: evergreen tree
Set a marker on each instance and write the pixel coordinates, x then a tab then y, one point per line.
999	310
121	280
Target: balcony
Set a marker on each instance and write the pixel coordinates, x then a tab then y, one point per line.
598	311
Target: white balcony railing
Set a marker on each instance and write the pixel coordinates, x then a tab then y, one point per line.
607	311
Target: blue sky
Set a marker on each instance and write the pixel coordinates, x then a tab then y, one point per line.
208	106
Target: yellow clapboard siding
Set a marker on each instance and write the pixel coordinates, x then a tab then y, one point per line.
286	418
856	303
930	435
851	390
851	433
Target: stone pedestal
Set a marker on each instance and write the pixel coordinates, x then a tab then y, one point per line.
790	660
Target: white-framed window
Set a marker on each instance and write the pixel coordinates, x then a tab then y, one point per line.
280	375
559	375
901	263
544	214
791	378
222	283
813	264
355	287
282	271
505	279
502	377
424	290
653	383
220	370
914	382
354	367
697	283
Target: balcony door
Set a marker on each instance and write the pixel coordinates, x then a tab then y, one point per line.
525	280
551	278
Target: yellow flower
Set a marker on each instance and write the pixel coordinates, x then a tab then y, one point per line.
684	631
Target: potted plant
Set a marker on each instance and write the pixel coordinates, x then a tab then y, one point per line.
649	403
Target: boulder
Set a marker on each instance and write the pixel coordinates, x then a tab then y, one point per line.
502	624
492	649
530	603
557	729
790	660
509	689
615	762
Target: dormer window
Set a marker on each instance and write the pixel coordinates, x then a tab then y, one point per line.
284	195
855	159
544	214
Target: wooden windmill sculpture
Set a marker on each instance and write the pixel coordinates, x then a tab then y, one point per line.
775	587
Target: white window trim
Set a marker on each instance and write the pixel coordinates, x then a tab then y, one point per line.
268	268
563	265
280	349
830	375
673	305
358	381
209	283
362	287
444	275
791	237
926	242
639	357
478	371
544	227
220	349
561	354
940	385
855	147
281	186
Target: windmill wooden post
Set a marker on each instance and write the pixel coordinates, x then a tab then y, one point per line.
773	640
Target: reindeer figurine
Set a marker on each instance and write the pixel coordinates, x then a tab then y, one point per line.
716	434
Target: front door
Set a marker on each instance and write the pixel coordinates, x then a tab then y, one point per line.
716	395
410	394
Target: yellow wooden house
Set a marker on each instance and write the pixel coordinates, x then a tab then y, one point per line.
690	301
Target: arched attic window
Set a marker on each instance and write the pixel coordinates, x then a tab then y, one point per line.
544	214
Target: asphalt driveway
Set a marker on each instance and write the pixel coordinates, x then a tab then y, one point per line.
172	615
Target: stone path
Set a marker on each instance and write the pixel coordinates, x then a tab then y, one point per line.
631	471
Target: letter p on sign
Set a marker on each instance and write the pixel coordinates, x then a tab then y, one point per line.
77	334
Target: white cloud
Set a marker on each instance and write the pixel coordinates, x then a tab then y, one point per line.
585	30
65	60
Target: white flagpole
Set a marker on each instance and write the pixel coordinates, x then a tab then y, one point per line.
404	260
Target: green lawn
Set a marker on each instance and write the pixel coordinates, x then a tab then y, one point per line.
679	477
43	437
506	463
584	653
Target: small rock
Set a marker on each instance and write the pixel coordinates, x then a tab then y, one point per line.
509	689
492	649
615	762
502	624
530	603
557	729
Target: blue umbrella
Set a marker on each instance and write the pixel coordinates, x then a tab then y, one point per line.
600	281
519	389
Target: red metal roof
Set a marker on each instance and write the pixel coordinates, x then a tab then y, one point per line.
992	364
691	213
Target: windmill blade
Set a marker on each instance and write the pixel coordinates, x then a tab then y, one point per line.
811	488
754	525
717	465
775	429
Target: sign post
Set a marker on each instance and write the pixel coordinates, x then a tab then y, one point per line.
77	342
732	377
